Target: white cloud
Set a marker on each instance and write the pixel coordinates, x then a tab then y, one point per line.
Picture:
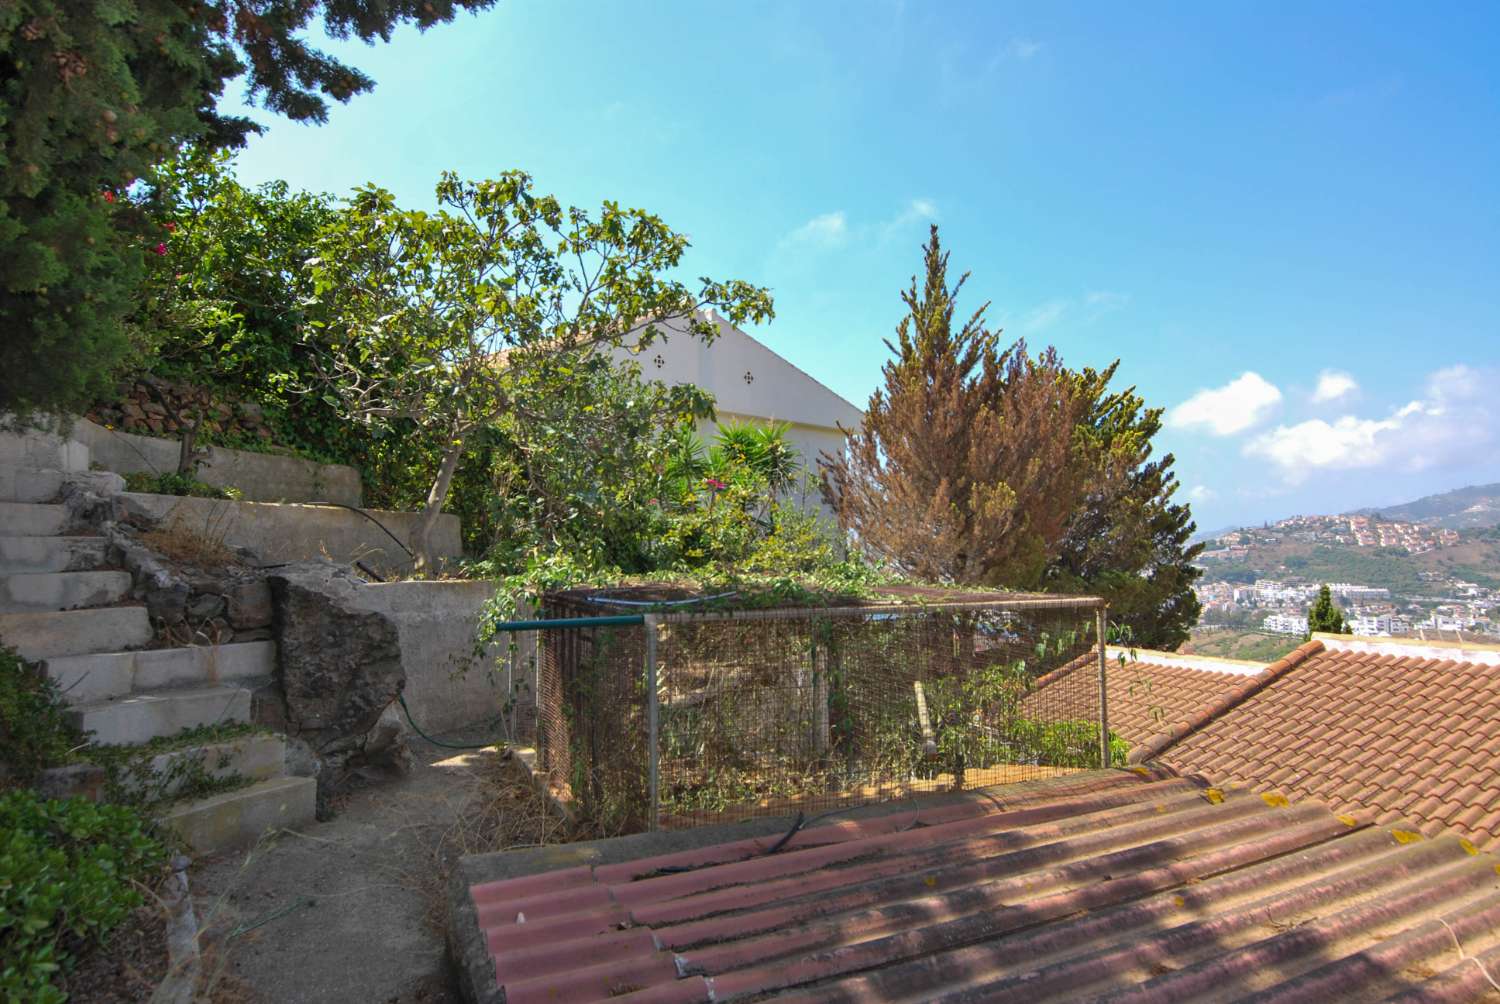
1451	425
1332	385
1454	383
916	211
1103	299
1238	405
827	230
1202	493
920	209
1044	316
1024	48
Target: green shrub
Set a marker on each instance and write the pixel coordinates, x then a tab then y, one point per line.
174	483
34	730
67	879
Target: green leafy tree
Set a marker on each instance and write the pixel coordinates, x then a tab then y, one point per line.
455	319
91	96
1324	616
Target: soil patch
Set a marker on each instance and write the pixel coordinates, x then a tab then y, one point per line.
350	910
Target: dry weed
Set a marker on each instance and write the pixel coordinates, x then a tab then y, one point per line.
188	544
493	808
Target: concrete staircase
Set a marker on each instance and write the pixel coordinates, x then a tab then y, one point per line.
61	605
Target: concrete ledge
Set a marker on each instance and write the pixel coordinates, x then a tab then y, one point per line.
75	632
86	679
255	758
140	718
240	817
261	477
30	519
27	592
289	532
52	554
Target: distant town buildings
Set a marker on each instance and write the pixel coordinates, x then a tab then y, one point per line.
1285	623
1443	604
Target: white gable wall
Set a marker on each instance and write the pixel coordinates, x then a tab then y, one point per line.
775	391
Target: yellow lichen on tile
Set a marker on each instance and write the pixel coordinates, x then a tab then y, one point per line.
1406	836
1275	799
1214	795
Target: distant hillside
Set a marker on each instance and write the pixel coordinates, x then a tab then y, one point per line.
1474	507
1476	558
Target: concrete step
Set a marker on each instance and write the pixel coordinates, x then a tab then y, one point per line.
242	816
139	718
256	757
75	632
28	519
52	554
86	679
21	484
34	592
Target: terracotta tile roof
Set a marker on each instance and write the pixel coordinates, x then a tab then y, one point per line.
1146	693
1139	886
1363	729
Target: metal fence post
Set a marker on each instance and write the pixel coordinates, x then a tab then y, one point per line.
653	724
1101	625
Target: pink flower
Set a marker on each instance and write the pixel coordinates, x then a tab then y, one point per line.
159	249
715	484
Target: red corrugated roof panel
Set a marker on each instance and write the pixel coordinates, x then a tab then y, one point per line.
1120	884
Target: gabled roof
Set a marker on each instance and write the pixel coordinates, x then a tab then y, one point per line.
776	389
1139	886
1147	690
1398	729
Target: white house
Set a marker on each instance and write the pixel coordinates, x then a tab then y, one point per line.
750	384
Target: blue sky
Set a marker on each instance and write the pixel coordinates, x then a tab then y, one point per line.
1285	223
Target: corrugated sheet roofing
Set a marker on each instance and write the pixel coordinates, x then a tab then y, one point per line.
1401	736
1108	885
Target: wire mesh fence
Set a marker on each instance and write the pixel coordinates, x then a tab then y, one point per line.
691	718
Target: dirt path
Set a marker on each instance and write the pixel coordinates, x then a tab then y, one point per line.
344	910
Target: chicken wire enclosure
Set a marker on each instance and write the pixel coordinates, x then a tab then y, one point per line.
693	717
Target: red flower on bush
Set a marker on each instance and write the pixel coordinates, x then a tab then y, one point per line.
109	196
159	249
171	227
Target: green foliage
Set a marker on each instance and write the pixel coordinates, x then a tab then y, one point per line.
173	483
1250	645
91	96
1128	540
486	309
67	879
34	729
1324	616
590	504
